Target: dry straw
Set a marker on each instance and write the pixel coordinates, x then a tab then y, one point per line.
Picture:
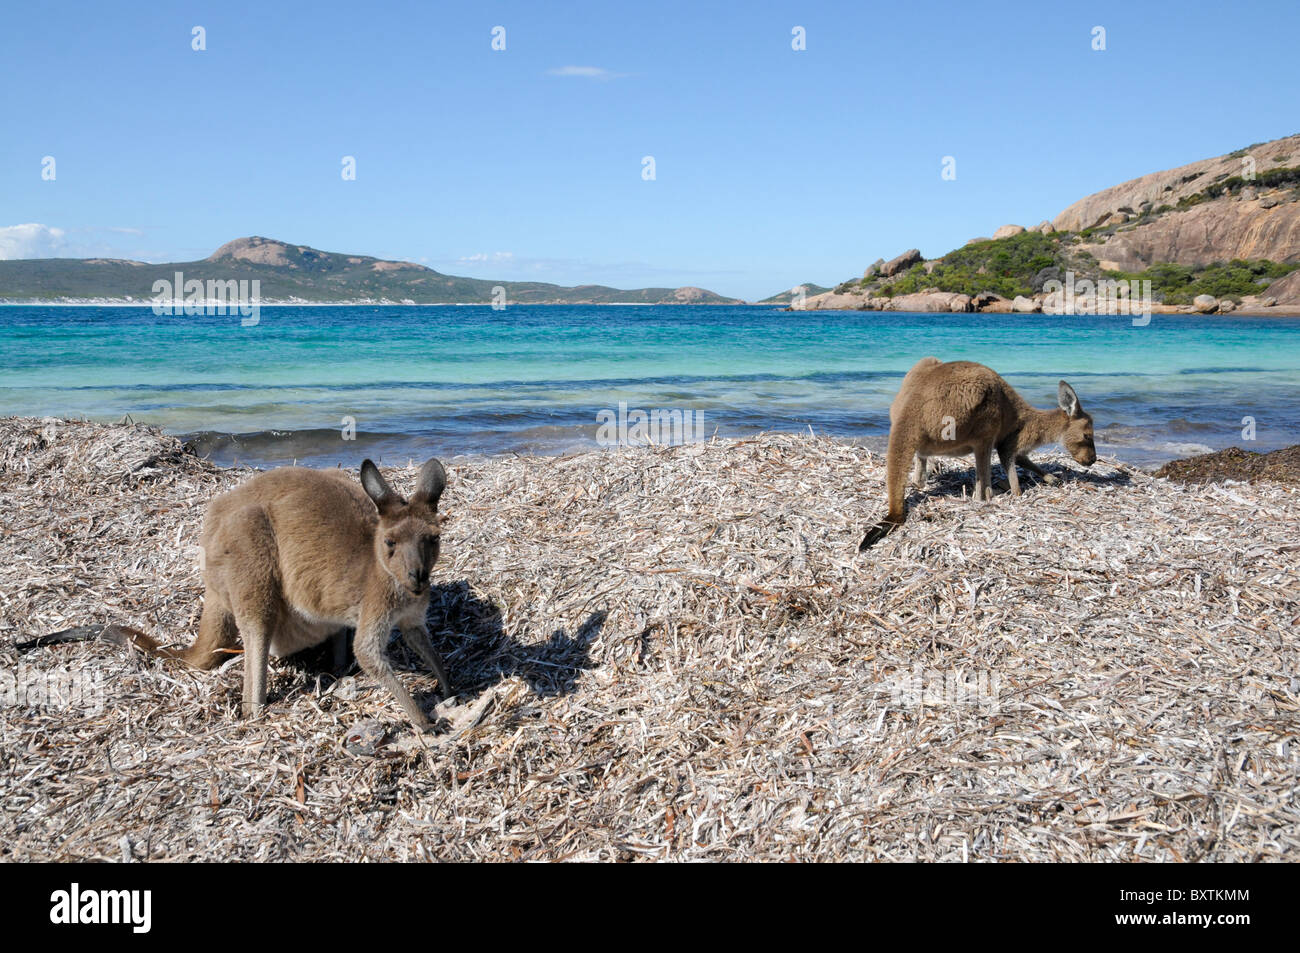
678	654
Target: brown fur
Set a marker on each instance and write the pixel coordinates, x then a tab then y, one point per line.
293	556
961	407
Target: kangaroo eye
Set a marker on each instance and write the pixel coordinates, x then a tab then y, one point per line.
390	543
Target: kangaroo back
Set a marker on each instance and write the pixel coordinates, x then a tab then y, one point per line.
311	531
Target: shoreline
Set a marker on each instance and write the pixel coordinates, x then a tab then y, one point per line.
1276	311
173	305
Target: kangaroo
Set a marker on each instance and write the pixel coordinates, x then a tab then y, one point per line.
294	555
962	407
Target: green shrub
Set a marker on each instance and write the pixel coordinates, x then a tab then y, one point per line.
1179	284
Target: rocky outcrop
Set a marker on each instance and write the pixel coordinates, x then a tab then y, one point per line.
901	263
1285	292
873	269
1166	188
831	301
925	302
1205	304
1219	230
929	302
262	251
1248	218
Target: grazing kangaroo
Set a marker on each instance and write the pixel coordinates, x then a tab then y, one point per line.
962	407
294	555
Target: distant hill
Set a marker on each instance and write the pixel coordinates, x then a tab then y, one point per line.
299	274
785	297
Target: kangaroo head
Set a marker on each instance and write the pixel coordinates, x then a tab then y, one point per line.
409	531
1077	436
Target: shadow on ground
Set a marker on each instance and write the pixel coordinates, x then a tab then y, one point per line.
468	632
960	481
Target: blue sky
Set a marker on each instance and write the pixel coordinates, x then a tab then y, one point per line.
772	166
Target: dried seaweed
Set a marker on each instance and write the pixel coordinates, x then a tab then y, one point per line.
676	653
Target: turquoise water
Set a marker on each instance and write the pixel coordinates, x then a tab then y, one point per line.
448	380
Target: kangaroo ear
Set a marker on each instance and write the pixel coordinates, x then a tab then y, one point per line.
430	484
376	487
1068	399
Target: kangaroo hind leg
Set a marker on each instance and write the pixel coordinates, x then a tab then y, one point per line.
246	573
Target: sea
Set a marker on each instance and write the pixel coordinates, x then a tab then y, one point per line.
330	385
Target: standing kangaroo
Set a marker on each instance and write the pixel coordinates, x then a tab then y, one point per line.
962	407
293	556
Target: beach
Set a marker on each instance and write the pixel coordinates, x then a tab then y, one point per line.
676	653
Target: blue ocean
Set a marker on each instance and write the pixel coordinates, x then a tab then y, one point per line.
326	385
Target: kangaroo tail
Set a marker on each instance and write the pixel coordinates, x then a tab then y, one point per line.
876	533
897	460
116	634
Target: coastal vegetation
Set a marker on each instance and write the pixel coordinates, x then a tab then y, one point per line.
1234	280
1022	264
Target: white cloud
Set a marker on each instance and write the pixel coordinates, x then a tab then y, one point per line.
585	72
30	241
34	240
484	258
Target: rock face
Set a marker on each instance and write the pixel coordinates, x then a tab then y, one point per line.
1007	231
1205	304
690	294
1044	227
930	302
830	301
901	263
1166	188
1212	231
1285	291
873	269
925	302
263	251
1023	305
